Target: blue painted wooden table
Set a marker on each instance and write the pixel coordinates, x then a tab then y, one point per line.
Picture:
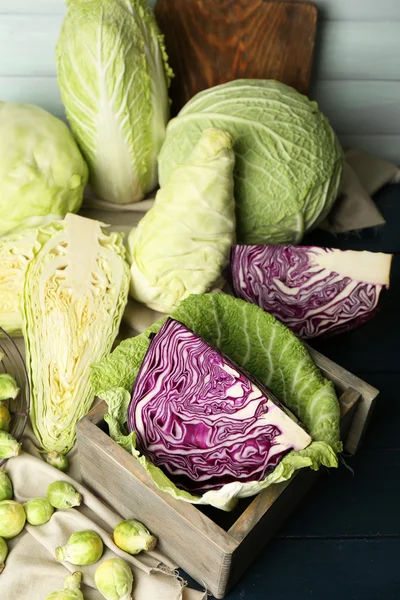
343	540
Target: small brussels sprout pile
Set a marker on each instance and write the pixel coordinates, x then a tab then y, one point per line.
72	589
82	547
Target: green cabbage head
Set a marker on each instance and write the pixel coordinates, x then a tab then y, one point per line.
113	76
42	172
289	162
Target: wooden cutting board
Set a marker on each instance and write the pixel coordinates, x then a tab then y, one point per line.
214	41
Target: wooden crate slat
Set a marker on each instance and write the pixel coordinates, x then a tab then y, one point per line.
214	557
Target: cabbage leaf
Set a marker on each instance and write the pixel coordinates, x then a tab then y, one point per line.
256	341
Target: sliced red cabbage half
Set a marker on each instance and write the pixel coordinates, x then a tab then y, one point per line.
312	290
202	419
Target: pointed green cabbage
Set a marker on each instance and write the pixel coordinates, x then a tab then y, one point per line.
182	244
113	76
74	296
257	342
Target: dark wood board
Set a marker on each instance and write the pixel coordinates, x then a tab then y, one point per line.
214	41
374	471
376	239
384	432
347	569
367	348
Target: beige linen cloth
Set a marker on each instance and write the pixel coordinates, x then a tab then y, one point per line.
31	571
364	175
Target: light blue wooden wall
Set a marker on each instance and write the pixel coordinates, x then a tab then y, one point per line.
357	71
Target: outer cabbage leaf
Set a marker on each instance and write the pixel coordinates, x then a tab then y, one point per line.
289	162
42	172
113	76
312	290
183	243
270	352
75	292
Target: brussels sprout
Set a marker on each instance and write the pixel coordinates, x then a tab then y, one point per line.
38	511
6	488
5	416
82	548
12	518
57	460
133	537
71	589
8	445
61	494
3	554
8	387
114	579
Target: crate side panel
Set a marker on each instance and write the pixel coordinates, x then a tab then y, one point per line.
198	556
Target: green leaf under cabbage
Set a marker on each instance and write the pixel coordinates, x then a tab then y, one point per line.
269	351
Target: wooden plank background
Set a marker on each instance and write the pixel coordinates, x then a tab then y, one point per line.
356	79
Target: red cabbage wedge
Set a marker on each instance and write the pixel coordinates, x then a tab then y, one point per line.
312	290
198	416
254	341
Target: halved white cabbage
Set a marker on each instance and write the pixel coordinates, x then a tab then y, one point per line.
75	292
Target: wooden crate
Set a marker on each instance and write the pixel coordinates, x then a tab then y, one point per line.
214	547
